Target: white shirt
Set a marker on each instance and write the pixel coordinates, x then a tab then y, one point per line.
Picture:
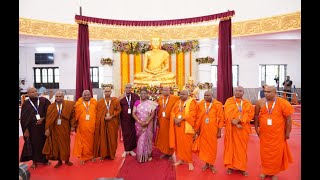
23	88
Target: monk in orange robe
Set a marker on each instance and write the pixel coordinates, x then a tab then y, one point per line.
210	120
166	103
107	124
182	120
85	117
238	114
59	125
273	126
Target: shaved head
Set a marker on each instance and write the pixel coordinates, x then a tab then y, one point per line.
166	90
208	92
86	95
270	92
107	91
208	95
271	88
32	92
239	91
59	93
184	94
59	96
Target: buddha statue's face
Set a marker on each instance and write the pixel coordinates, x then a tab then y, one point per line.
155	43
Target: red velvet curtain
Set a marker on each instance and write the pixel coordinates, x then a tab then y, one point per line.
83	80
224	83
86	19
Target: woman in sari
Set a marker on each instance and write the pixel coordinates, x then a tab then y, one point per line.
144	113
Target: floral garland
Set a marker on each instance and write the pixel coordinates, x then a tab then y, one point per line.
107	61
205	60
106	85
140	47
205	85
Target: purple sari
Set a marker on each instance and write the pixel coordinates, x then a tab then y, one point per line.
144	134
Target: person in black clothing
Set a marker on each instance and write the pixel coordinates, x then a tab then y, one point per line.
287	87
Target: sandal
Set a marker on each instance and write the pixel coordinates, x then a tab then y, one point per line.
205	167
82	162
262	176
229	171
213	169
244	173
274	177
33	166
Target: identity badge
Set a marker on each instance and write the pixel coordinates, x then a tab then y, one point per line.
59	121
87	117
207	121
269	122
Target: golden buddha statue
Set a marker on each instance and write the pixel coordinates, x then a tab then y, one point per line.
192	88
155	67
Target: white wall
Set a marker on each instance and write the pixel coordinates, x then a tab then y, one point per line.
248	54
64	10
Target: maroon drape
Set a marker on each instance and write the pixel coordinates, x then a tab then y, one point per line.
224	83
86	19
83	81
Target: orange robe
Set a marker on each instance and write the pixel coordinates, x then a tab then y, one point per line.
57	145
274	150
208	130
162	138
178	139
236	140
106	133
83	143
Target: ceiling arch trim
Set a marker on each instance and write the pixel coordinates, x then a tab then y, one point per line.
281	23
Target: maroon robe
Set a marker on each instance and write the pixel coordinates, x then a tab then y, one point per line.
37	137
128	123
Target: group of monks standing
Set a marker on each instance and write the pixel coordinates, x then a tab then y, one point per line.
184	126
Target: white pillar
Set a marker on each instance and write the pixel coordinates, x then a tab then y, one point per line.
108	70
204	74
207	48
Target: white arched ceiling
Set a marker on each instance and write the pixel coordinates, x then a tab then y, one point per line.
63	11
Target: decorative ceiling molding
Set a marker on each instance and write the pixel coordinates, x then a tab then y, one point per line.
281	23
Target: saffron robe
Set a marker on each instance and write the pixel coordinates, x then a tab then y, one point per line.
106	133
178	139
162	138
208	129
274	149
83	142
57	145
236	140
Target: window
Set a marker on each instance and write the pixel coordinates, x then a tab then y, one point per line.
94	75
269	72
235	75
47	76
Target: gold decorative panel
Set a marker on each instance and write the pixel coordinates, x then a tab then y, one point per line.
273	24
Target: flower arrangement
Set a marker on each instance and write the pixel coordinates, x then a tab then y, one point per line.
205	85
106	85
136	47
205	60
107	61
154	92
